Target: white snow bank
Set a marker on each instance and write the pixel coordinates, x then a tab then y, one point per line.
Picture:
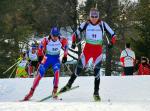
118	93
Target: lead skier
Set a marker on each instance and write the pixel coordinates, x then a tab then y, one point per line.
94	32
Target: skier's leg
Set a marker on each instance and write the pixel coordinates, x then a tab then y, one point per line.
97	62
77	72
97	82
30	69
56	70
36	81
35	84
97	78
41	71
35	68
80	66
56	79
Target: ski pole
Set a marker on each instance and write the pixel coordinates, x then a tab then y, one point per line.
107	39
13	71
10	67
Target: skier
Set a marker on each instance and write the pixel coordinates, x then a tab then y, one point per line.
33	60
127	59
94	32
40	51
52	47
22	66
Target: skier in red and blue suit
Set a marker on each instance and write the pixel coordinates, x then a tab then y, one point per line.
52	47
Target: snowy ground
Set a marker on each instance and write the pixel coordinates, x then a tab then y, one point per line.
117	93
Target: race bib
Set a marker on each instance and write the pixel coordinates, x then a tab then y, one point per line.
53	48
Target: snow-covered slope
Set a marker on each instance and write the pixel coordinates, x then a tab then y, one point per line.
130	93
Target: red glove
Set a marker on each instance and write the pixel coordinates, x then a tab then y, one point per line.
113	40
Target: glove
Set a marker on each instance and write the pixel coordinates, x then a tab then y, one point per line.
73	46
19	59
64	59
112	42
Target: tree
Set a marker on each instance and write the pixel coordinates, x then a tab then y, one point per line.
13	30
21	18
142	23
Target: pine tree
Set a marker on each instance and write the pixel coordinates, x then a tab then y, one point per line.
141	43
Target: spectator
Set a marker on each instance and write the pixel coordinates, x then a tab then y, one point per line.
136	66
144	67
127	60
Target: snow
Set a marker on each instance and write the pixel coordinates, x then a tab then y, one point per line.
118	93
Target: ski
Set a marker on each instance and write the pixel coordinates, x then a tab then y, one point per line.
33	100
57	99
50	96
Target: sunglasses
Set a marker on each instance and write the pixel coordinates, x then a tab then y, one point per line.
94	16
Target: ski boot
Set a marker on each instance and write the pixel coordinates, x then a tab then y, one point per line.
69	84
96	97
28	96
65	88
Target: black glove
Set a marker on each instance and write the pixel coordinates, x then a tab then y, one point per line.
64	60
73	46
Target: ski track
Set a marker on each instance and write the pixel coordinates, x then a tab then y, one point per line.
118	93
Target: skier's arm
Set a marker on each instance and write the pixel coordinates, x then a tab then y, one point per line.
110	32
76	34
122	58
40	51
65	48
43	45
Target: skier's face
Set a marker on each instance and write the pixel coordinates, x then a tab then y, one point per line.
33	50
94	19
143	61
54	38
94	16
